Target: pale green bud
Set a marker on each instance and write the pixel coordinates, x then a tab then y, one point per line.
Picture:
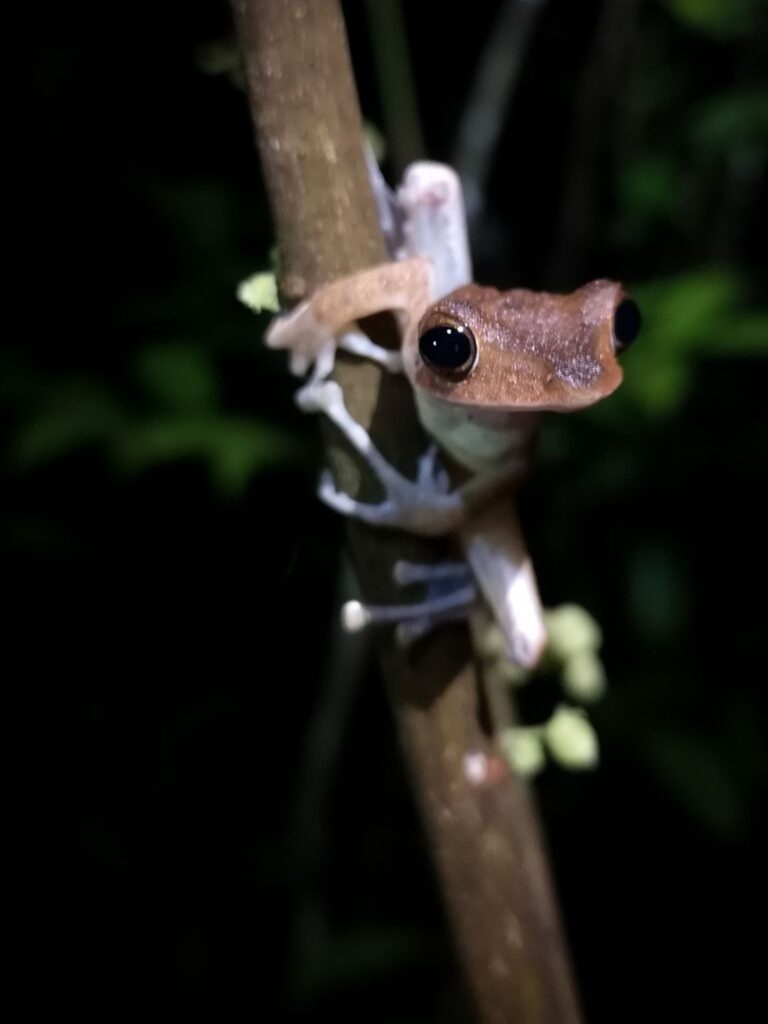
523	750
570	628
510	673
259	293
488	640
571	739
583	676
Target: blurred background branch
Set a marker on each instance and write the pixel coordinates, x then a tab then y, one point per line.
397	89
594	112
487	104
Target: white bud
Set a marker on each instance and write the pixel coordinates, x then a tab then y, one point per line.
571	739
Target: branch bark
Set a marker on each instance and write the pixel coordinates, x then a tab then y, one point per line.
485	838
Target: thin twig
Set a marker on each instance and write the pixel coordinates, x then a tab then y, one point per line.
482	121
316	773
593	109
397	91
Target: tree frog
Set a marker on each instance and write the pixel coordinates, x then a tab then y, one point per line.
483	365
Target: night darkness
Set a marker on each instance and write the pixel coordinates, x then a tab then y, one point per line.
174	584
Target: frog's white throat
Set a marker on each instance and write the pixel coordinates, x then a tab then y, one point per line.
479	439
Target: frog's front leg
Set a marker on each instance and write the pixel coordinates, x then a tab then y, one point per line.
325	360
425	506
309	329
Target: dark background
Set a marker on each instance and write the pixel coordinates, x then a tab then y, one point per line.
191	847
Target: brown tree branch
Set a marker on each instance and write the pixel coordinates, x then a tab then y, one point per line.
485	838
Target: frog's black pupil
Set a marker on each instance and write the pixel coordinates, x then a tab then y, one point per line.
626	323
449	349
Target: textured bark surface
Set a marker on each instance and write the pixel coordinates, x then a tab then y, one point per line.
484	837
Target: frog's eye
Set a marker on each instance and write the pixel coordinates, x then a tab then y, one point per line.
449	349
626	324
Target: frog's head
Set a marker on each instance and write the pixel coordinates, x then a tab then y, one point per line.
523	350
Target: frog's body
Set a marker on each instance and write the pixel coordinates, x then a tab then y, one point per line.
478	439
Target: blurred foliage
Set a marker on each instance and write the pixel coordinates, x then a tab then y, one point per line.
697	315
173	576
179	417
719	18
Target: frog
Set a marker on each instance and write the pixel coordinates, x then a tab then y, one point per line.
484	365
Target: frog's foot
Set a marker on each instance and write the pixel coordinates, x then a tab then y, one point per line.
309	397
359	344
302	336
451	596
425	506
432	573
324	362
407	506
431	478
413	620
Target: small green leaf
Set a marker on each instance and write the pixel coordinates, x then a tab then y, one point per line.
259	293
649	187
179	376
737	119
71	415
241	448
704	312
234	448
742	334
718	18
660	385
680	312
